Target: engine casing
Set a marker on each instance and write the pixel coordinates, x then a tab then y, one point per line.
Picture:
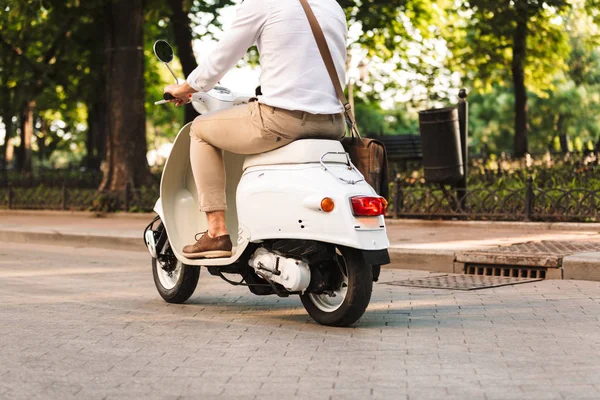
294	275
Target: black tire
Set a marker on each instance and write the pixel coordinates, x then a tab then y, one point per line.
358	295
184	287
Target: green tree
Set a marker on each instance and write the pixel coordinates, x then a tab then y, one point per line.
523	42
59	79
33	39
566	104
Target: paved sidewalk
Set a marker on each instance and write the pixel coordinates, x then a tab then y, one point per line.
415	244
86	323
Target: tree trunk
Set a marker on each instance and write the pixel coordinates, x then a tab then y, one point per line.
8	131
97	108
518	75
183	42
95	143
126	142
41	139
24	159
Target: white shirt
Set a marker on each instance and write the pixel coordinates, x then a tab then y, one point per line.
293	75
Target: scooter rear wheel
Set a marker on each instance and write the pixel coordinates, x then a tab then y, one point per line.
352	295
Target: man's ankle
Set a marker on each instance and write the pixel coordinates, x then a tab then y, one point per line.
217	232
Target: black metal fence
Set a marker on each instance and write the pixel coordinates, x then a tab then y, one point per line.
523	204
69	189
71	178
565	188
76	199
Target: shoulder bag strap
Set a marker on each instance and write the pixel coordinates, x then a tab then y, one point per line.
328	60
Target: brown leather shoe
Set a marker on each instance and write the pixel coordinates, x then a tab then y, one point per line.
208	247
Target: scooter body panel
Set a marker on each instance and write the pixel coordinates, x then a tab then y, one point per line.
158	209
284	202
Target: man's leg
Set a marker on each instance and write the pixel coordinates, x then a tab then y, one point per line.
216	223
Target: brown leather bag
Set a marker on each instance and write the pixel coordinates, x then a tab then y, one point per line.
371	160
368	155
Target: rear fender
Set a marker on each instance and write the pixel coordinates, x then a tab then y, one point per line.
376	258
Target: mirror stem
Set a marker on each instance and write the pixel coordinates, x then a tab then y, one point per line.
172	73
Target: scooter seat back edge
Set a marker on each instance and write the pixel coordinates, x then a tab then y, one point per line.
303	151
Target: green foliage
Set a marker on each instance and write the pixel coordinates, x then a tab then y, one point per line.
570	105
106	202
52	50
490	120
372	120
483	38
163	121
45	53
390	26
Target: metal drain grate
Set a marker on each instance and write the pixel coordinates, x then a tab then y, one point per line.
506	271
461	282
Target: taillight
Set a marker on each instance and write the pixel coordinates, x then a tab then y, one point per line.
364	206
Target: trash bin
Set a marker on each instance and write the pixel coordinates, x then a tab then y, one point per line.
440	143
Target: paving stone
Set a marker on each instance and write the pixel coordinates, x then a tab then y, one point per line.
88	323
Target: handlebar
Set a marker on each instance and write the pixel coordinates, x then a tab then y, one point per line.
166	98
212	99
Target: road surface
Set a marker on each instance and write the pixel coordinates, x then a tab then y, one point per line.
88	324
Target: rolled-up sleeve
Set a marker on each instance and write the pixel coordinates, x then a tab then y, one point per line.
249	21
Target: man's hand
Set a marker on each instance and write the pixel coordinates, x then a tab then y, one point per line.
182	93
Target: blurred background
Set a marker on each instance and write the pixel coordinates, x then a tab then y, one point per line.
78	79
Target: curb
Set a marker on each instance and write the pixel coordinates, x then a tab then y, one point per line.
581	266
74	240
550	226
424	260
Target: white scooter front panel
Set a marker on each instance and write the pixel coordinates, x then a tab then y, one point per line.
178	206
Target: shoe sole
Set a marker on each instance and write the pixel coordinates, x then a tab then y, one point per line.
209	254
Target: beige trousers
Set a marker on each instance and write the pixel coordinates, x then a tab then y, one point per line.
248	129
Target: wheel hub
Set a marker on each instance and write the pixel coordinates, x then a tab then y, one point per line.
331	300
169	271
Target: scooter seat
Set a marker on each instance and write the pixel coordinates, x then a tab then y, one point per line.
303	151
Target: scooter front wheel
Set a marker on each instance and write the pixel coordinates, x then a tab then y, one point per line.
348	302
174	280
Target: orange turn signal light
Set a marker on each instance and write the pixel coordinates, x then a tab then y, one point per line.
327	204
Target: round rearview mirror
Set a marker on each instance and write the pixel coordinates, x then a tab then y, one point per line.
163	51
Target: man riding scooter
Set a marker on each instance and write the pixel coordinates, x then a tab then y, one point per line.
298	100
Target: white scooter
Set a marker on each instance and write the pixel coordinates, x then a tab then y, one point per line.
307	223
